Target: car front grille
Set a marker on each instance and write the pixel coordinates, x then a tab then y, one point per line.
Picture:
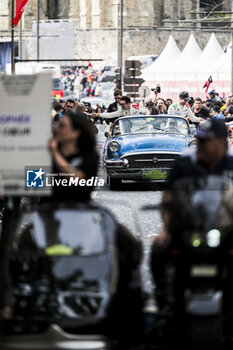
156	160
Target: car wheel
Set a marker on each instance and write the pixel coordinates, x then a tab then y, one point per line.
114	184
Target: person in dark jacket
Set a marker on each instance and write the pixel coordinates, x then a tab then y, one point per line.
113	107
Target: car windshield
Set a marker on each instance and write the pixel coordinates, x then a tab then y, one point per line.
57	85
151	124
62	232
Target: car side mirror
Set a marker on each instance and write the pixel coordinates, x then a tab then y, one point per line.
106	134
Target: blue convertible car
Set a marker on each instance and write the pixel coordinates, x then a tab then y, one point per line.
145	147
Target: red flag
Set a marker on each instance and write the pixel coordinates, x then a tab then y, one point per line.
20	6
207	83
90	65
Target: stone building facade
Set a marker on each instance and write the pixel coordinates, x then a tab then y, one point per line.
147	24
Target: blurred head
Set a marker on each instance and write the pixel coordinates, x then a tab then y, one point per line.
230	111
57	106
172	123
184	97
125	102
212	141
150	106
76	101
69	105
161	104
212	93
80	107
62	102
75	128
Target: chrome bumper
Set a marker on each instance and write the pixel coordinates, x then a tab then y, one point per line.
54	338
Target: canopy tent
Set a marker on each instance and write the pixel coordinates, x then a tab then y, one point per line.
211	53
221	70
187	59
169	54
190	69
183	64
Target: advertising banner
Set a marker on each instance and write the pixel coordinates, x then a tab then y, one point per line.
25	128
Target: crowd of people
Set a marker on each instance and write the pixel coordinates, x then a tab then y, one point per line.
86	78
195	110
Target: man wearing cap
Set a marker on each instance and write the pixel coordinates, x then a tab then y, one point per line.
181	108
216	113
210	157
213	97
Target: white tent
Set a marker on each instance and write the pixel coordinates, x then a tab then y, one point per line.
169	54
211	53
221	70
183	65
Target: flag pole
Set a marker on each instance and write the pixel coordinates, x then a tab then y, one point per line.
38	30
12	38
20	38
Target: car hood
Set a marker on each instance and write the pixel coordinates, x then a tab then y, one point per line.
147	142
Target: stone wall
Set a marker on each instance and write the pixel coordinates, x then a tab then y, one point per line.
96	23
103	42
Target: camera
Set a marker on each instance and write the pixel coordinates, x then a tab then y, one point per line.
158	89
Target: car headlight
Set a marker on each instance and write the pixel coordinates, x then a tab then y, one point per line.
193	143
196	240
213	238
114	146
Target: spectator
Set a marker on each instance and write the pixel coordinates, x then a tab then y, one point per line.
160	106
63	102
213	97
216	113
199	110
58	111
151	108
80	107
169	102
69	105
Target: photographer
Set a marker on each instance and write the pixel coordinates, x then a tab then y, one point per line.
161	106
158	108
156	91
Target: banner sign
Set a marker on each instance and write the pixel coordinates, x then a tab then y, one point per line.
25	129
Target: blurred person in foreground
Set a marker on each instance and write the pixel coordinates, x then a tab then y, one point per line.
211	157
182	108
73	150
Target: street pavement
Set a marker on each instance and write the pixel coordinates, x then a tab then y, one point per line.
126	204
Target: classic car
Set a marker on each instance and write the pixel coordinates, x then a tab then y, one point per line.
145	147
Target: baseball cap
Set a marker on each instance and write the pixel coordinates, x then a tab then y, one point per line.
184	95
215	128
212	92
